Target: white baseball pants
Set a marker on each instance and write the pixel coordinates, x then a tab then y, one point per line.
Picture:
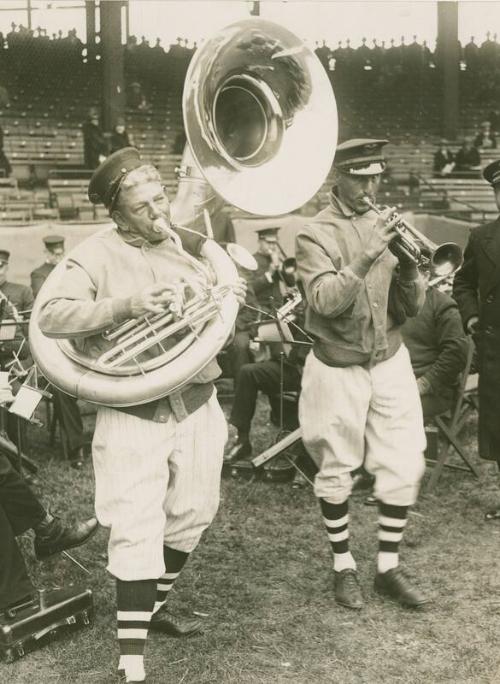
373	417
156	484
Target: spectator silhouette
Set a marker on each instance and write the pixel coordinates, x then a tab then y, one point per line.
468	159
120	137
444	159
94	142
485	139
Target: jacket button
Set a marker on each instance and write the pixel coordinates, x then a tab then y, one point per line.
490	299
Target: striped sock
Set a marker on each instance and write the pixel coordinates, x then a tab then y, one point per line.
336	519
392	521
174	562
134	601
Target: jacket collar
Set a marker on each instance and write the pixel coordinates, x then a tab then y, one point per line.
339	206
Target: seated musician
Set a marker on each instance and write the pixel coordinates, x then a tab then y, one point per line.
265	376
261	295
438	349
16	301
66	407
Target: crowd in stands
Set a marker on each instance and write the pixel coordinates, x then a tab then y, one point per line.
404	57
36	48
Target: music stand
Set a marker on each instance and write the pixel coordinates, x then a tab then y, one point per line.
291	438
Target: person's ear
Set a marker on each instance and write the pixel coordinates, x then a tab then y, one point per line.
119	220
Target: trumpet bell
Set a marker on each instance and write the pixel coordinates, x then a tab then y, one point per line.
260	117
446	259
242	256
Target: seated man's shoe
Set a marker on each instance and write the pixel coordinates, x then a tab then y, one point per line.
396	584
76	458
238	451
347	589
173	625
53	537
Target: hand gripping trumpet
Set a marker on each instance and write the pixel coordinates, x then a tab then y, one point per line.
409	243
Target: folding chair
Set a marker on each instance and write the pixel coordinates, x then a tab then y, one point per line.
451	426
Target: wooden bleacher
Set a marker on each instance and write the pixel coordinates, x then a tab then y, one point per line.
471	197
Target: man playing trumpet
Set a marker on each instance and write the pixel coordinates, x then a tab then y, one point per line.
360	402
157	472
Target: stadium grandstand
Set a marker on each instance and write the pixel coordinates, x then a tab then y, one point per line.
50	81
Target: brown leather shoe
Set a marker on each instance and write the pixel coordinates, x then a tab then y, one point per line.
396	584
347	589
173	625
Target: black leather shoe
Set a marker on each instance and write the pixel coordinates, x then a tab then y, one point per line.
77	458
347	589
173	625
238	451
56	536
396	584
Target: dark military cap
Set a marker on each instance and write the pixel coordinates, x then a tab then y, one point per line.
52	242
4	256
108	177
266	233
491	173
360	156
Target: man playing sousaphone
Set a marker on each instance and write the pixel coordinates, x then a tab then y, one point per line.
359	402
157	465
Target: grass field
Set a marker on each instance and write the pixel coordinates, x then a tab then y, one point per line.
263	579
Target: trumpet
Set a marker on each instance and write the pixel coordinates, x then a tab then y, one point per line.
410	243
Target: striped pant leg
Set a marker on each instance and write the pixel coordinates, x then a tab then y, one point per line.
195	466
332	411
395	436
130	458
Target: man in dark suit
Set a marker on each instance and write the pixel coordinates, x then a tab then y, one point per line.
273	374
66	407
476	289
263	288
269	259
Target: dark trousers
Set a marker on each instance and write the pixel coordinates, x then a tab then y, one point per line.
69	416
435	404
239	353
263	376
20	510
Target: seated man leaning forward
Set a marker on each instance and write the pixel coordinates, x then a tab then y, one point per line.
157	465
359	401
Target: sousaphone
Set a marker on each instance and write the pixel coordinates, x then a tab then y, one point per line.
261	124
